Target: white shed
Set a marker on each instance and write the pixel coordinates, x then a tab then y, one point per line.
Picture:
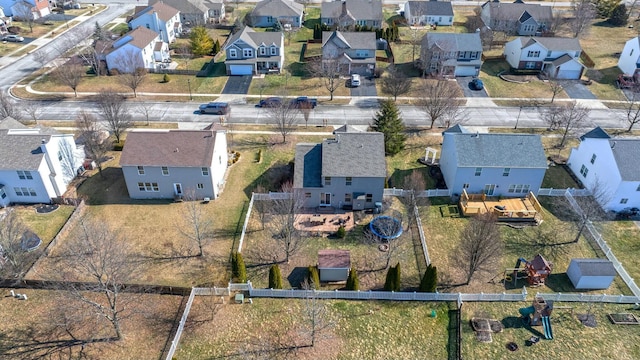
591	273
334	265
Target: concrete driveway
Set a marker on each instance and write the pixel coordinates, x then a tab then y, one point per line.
237	84
367	88
577	90
468	92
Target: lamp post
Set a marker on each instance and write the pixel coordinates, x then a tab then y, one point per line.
518	118
189	83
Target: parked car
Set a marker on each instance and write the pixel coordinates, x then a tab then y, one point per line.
13	38
476	84
270	102
355	80
218	108
303	102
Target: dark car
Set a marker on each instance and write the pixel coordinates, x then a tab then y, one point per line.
303	102
270	102
218	108
476	84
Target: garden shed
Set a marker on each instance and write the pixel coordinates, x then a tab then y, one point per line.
334	265
591	273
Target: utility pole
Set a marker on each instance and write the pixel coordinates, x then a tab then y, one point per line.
518	118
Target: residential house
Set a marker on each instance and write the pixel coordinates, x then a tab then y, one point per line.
268	13
428	12
250	52
5	21
516	18
346	172
175	163
557	57
354	52
609	168
629	61
192	12
334	265
20	9
495	164
159	17
139	48
216	10
36	164
345	14
457	54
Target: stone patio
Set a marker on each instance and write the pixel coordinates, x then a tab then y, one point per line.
320	221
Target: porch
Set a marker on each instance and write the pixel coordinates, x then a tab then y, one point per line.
506	209
268	67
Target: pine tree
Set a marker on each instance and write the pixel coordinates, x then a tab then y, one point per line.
429	280
389	122
201	42
314	277
396	278
390	279
275	279
216	47
352	281
341	233
619	15
241	269
234	265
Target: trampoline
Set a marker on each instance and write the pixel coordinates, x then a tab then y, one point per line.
386	227
30	241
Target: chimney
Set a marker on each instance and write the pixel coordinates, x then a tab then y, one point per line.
43	144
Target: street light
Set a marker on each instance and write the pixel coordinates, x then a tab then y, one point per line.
189	83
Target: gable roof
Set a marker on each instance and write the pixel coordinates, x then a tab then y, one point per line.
565	59
215	4
307	168
164	11
139	37
510	11
453	41
277	8
597	133
419	8
254	39
357	9
594	267
11	123
20	147
540	263
185	6
179	148
352	40
553	43
626	152
498	150
334	259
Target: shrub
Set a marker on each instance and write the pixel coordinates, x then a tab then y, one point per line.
313	277
259	156
275	279
341	233
429	281
165	78
238	269
392	281
352	281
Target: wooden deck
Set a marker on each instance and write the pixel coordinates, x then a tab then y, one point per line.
506	209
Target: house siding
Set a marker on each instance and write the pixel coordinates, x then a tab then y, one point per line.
333	274
628	61
338	189
188	177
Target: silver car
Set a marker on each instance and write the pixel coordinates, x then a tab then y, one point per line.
13	38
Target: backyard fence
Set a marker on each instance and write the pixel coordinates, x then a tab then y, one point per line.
426	193
246	221
562	192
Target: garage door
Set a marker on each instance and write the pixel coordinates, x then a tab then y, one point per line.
568	74
241	69
466	71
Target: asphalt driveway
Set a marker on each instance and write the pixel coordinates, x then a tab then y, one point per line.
367	88
577	90
468	92
237	84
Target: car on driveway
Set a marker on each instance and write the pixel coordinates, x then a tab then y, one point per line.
13	38
476	84
355	80
269	102
218	108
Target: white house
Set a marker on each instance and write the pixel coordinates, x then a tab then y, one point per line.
334	265
591	274
608	167
429	12
36	164
35	9
175	163
139	48
557	57
159	17
629	61
492	163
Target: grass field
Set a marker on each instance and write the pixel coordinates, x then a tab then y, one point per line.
622	236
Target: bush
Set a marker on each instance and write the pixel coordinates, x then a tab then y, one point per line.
165	78
114	72
275	279
341	233
392	281
259	156
352	281
429	281
238	269
313	277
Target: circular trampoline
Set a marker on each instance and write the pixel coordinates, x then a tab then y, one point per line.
30	241
386	227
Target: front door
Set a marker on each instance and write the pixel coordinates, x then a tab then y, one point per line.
325	199
177	188
489	189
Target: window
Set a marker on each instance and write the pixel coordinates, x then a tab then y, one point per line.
148	187
263	50
165	171
368	198
549	53
307	195
506	171
274	50
200	186
327	180
349	181
3	194
25	175
362	22
465	186
32	192
638	188
530	65
478	171
205	171
347	198
233	53
220	159
59	155
532	53
593	158
247	53
584	171
23	191
519	188
623	201
140	170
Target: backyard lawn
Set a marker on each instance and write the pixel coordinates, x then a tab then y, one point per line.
622	236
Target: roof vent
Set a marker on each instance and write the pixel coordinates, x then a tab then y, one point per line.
176	150
613	144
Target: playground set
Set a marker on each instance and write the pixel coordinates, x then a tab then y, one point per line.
538	314
535	271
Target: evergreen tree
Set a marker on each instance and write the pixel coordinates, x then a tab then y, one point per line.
389	122
352	281
396	278
216	47
98	32
234	264
314	277
341	233
275	279
429	280
388	281
619	15
241	275
201	42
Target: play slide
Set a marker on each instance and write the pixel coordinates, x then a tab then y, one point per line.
546	327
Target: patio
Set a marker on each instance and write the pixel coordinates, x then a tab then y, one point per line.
506	209
316	220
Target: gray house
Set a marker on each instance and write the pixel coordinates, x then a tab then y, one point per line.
345	172
216	10
250	52
591	274
174	163
192	12
516	18
355	52
493	164
348	13
428	12
268	12
457	54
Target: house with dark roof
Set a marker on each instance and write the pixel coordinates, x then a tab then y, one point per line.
250	52
629	60
268	13
451	54
355	52
591	274
347	171
36	164
428	12
516	18
175	163
159	17
192	12
139	48
495	164
558	58
608	167
345	14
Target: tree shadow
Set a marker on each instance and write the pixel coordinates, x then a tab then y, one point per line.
272	178
297	276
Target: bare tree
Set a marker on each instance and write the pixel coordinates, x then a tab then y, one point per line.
115	112
631	112
480	246
9	107
555	86
395	82
318	318
305	108
33	109
261	206
70	75
284	117
413	185
584	11
22	11
392	248
284	214
328	71
198	225
134	79
439	100
90	133
12	256
145	109
566	117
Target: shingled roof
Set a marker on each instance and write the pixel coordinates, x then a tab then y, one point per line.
515	10
277	8
357	9
164	11
254	38
595	267
352	40
420	8
626	152
334	259
179	148
185	6
20	148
